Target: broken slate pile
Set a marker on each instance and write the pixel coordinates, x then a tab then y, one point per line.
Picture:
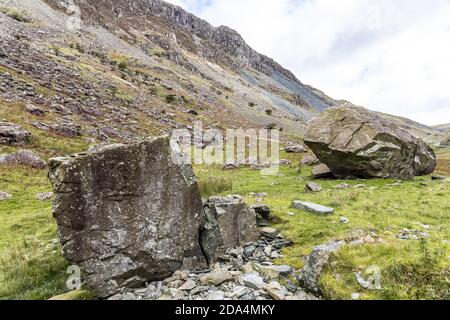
242	273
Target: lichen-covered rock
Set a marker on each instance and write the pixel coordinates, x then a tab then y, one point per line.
229	223
353	141
23	158
127	214
317	260
13	135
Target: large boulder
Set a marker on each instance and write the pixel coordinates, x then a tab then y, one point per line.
229	223
13	135
354	142
445	142
127	214
23	158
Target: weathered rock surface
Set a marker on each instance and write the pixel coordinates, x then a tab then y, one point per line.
353	141
312	207
229	223
309	160
13	135
127	214
23	158
310	274
321	171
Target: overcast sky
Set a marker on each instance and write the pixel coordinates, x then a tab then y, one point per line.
387	55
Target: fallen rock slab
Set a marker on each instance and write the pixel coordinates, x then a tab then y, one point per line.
127	214
312	207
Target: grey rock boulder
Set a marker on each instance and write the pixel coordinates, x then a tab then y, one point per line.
13	135
353	141
127	212
229	223
23	158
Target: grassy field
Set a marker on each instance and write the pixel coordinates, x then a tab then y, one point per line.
31	266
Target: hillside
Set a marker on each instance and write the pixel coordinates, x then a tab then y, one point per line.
150	63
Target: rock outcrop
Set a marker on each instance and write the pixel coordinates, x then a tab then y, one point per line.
127	214
13	135
353	141
229	223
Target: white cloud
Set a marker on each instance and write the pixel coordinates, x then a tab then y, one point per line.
388	55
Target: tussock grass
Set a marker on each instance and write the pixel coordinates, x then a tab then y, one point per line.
215	185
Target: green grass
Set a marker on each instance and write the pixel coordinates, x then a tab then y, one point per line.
379	208
31	265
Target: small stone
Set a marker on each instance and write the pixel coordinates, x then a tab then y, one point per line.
268	250
216	277
248	268
359	186
248	251
253	281
312	207
369	239
5	196
45	196
291	214
298	148
273	271
313	187
270	233
188	285
32	109
342	186
344	220
216	295
356	296
438	177
275	291
230	166
239	292
198	290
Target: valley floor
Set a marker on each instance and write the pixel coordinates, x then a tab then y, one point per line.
31	265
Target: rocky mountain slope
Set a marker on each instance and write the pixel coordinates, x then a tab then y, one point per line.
140	67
